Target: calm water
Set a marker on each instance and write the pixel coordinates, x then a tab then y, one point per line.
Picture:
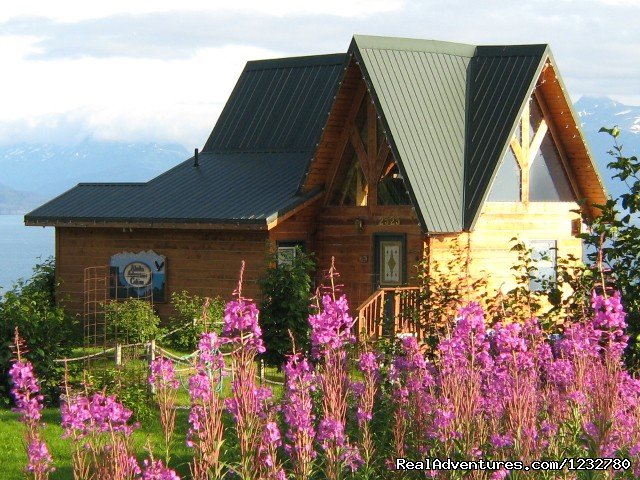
21	248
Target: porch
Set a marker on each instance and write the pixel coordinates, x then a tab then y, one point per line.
389	312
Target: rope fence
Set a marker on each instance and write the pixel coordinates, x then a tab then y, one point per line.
185	362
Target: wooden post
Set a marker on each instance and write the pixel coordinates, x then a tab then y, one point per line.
397	325
118	354
151	356
261	371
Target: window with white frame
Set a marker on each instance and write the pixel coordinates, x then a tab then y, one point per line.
287	252
544	254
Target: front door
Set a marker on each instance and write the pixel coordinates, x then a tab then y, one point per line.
389	271
390	260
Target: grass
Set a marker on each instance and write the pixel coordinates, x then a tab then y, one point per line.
13	457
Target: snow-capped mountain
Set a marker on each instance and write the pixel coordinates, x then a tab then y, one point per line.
597	112
47	170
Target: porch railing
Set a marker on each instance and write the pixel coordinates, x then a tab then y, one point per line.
388	312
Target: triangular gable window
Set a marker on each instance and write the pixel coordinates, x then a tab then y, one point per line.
506	186
353	190
535	117
548	180
532	169
391	187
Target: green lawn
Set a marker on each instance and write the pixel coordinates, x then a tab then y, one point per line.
13	457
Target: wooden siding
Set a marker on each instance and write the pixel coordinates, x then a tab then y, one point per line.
338	236
299	227
499	222
201	262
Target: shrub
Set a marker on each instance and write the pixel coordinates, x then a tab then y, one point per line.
286	289
614	241
129	385
132	321
195	315
30	307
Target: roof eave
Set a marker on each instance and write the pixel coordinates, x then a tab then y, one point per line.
213	224
576	120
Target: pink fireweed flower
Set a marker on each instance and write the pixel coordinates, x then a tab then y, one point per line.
365	391
109	415
297	407
331	431
609	319
209	348
40	461
200	387
25	391
351	458
501	441
271	434
163	374
499	474
258	400
241	324
76	416
331	328
155	470
98	414
368	363
469	342
560	373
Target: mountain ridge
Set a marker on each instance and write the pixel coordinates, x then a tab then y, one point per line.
46	170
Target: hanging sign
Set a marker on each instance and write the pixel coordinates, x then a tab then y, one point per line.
137	275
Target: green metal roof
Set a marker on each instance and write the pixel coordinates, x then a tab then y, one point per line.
449	110
230	188
501	80
250	168
278	105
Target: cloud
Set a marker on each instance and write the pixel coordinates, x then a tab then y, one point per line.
164	69
186	125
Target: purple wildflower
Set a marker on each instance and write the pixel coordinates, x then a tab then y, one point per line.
163	374
155	470
26	391
209	348
298	414
331	328
241	324
501	441
40	461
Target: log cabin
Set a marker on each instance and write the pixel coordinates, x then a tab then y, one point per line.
380	157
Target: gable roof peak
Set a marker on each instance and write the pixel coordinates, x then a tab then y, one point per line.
412	44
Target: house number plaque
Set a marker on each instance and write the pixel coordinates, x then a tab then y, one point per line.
389	221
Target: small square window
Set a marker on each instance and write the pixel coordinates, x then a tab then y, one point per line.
286	255
287	252
545	255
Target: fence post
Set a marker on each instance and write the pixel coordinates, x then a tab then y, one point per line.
261	371
151	357
118	354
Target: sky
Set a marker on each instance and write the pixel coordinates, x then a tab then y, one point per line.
161	70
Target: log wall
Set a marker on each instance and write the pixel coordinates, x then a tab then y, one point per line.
202	262
490	241
338	236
